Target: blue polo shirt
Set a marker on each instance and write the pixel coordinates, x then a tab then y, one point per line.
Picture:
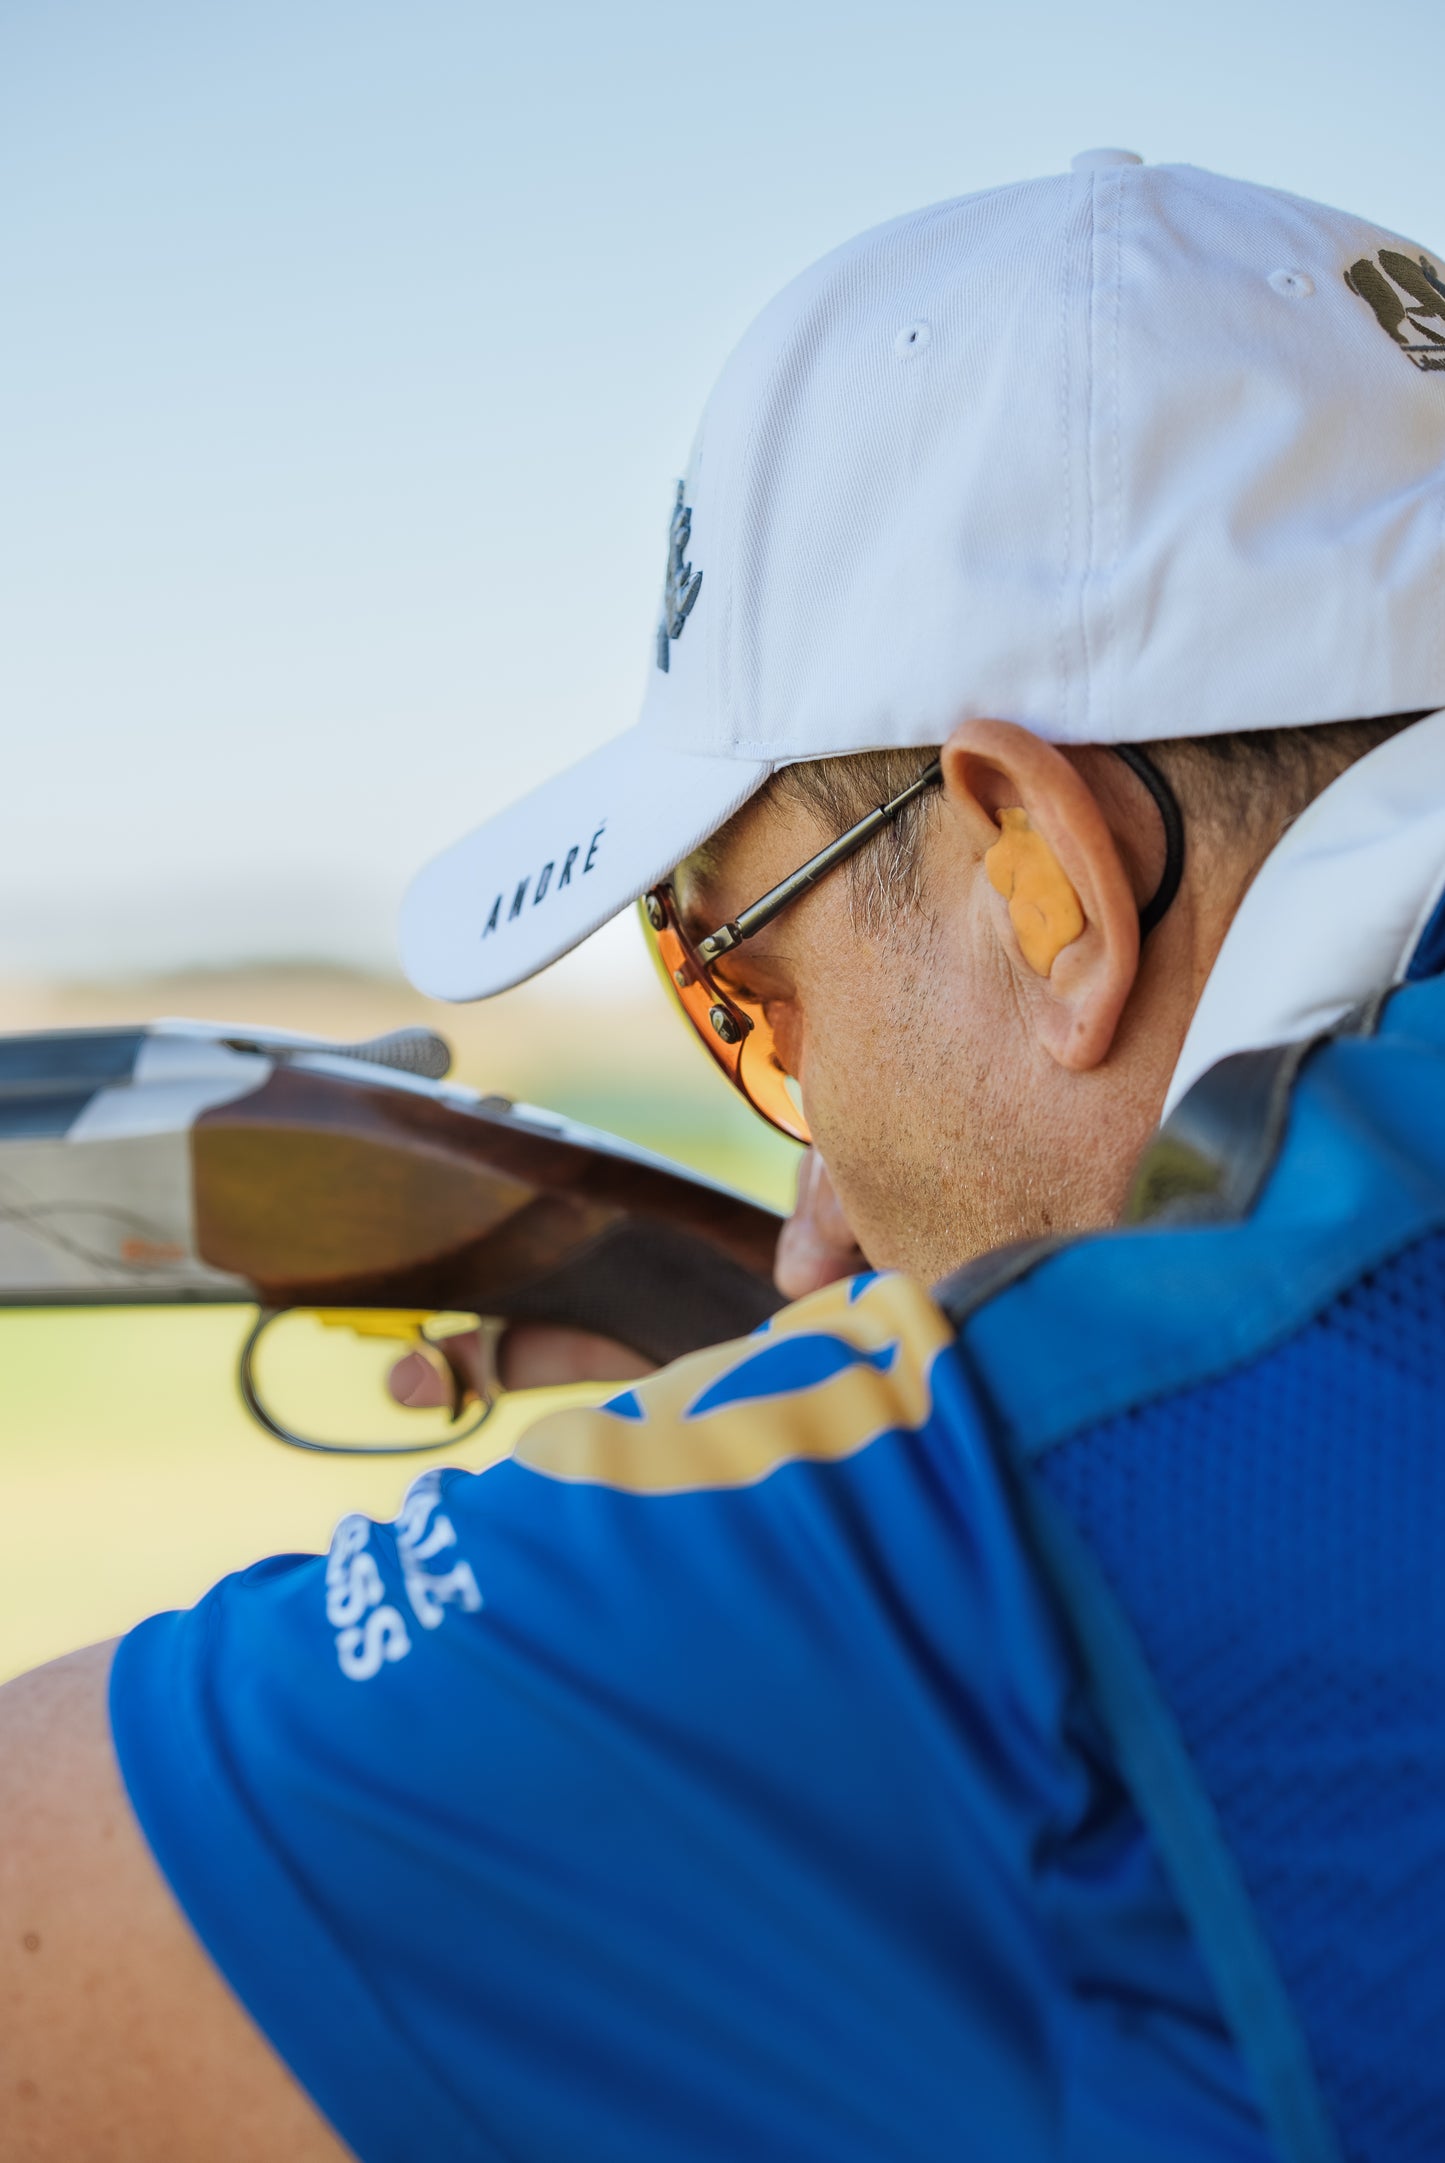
712	1779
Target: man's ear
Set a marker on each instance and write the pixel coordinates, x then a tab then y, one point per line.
1060	897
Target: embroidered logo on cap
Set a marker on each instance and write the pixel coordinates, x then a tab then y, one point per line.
1408	321
683	583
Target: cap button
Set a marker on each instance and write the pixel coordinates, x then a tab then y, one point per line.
1095	161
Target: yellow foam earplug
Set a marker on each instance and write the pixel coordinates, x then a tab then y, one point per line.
1043	908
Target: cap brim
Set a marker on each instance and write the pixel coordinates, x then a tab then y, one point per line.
537	879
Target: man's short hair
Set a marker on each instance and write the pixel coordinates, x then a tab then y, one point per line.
1241	789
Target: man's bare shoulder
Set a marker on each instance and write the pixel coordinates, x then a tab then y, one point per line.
118	2039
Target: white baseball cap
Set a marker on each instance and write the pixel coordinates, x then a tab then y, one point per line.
1129	453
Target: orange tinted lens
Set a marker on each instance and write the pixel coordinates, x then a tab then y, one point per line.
763	1079
733	1031
688	983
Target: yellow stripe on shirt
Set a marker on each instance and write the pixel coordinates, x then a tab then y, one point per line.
873	1348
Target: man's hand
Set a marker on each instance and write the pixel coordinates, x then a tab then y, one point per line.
815	1248
816	1245
530	1355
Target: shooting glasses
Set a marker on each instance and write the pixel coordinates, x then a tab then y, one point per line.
735	1031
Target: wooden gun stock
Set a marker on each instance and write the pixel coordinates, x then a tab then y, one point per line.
188	1161
355	1194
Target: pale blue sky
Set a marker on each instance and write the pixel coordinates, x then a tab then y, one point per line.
350	351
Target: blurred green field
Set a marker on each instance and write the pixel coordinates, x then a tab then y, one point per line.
131	1477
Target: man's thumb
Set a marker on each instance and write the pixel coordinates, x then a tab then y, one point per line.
815	1246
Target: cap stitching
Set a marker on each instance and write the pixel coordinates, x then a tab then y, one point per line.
1440	609
1118	459
833	264
1066	559
1086	573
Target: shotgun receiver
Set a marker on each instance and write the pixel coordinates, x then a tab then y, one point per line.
189	1161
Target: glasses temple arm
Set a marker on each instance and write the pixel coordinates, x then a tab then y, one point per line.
752	920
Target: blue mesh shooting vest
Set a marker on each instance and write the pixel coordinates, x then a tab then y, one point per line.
1225	1426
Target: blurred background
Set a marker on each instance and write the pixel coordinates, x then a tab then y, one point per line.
351	352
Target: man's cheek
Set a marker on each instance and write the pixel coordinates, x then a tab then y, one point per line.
789	1040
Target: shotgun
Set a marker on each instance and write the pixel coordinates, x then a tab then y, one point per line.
353	1186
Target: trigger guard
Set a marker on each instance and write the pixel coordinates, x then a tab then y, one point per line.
260	1412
